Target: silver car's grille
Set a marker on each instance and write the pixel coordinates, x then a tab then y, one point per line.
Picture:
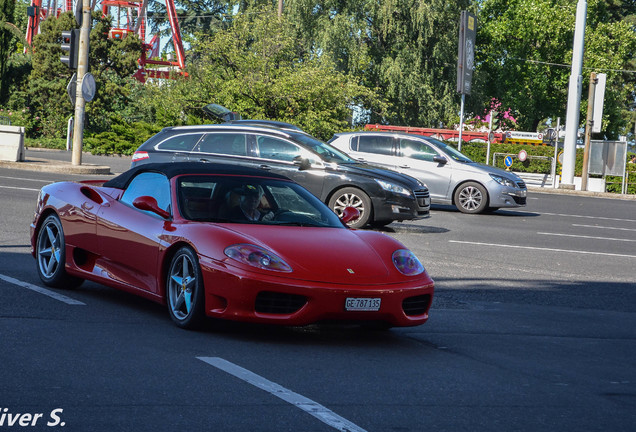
521	184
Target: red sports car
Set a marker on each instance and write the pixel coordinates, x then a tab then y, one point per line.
227	242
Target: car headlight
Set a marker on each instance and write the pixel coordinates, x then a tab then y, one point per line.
407	263
258	257
503	180
392	187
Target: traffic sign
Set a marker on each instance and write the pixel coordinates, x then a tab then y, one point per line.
522	156
508	161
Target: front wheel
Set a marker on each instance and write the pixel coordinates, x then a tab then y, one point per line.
50	255
184	290
352	197
471	197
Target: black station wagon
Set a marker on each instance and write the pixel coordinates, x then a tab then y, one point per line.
381	195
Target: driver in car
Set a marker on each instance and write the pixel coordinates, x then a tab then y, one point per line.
250	199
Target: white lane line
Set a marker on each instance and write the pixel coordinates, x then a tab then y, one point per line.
604	227
41	290
27	179
589	217
315	409
20	188
586	237
543	249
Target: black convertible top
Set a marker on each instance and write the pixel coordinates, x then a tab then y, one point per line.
171	169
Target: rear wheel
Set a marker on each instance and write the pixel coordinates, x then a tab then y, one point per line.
352	197
184	290
471	197
50	255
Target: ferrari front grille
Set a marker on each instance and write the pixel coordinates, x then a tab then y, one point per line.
278	303
418	305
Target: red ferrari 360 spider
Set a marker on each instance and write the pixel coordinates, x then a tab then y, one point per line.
227	242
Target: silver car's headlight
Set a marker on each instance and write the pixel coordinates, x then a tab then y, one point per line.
392	187
503	180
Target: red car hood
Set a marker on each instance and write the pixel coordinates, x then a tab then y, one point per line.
328	255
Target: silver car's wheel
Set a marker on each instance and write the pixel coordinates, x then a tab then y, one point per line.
185	289
471	197
50	255
352	197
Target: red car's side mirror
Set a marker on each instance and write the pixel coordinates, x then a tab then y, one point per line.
349	214
148	203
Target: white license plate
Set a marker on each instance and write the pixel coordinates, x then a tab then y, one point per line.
362	304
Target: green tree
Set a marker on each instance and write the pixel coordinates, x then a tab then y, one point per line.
525	49
406	49
44	96
7	40
257	68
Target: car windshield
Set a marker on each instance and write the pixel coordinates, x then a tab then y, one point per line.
448	150
326	152
250	200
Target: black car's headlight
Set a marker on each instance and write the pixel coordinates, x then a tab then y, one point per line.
392	187
503	180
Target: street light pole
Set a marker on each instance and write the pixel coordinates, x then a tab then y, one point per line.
574	99
82	69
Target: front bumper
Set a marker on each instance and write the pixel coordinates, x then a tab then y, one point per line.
231	293
399	207
506	196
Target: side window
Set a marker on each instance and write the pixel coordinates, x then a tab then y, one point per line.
223	143
353	145
182	142
274	148
417	150
151	184
375	144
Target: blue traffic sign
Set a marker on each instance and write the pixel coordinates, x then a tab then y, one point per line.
508	161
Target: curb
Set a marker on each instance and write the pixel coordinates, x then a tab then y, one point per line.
45	165
558	191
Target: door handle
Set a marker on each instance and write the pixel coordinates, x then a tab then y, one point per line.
405	166
265	167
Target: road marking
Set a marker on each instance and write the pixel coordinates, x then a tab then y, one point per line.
20	188
586	237
589	217
41	290
604	227
315	409
544	249
27	179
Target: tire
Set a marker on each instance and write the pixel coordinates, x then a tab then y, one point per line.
471	197
352	197
184	290
50	255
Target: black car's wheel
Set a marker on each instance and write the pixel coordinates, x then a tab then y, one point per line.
471	197
50	254
184	289
352	197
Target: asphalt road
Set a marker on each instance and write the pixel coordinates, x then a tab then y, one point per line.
532	329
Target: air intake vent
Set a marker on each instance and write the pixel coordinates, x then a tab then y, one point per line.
418	305
278	303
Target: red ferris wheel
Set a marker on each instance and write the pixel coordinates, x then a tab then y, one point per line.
129	17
